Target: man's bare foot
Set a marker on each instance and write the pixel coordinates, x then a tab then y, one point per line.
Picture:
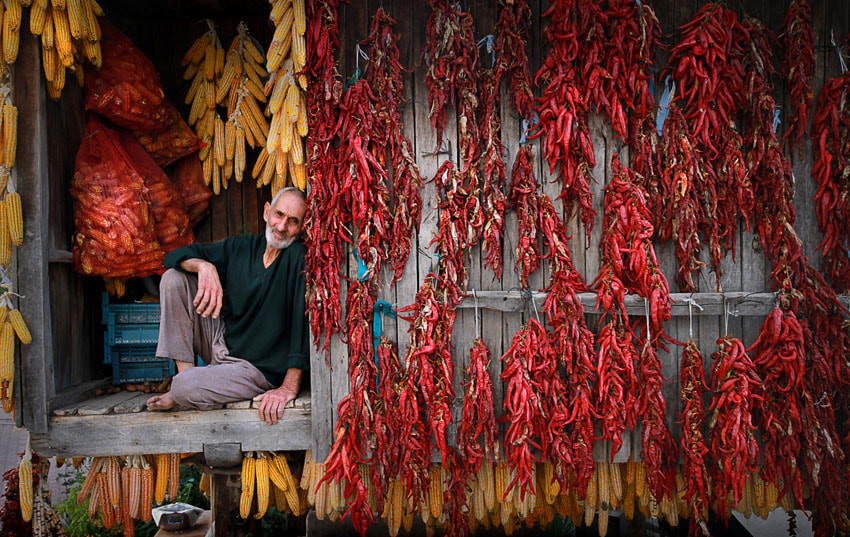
161	402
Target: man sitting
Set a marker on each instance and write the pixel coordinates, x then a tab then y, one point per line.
239	304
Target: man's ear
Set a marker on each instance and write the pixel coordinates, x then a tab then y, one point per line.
266	209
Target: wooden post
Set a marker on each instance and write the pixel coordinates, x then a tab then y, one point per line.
36	370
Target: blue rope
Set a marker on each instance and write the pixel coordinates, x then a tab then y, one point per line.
381	308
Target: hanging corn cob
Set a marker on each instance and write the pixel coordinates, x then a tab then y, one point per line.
241	86
286	58
25	483
204	62
69	34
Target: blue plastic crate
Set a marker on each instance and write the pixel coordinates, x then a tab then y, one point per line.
147	312
131	334
136	372
129	353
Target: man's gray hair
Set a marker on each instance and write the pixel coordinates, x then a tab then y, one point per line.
300	193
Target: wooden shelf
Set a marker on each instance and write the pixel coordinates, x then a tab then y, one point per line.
118	424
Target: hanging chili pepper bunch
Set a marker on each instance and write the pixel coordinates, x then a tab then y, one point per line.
629	261
476	433
682	184
478	424
494	171
429	358
563	113
629	264
523	198
831	131
365	185
798	69
529	354
452	58
705	64
643	140
511	58
354	430
694	450
710	79
387	440
385	76
324	222
779	357
658	447
573	343
618	46
733	449
418	388
460	224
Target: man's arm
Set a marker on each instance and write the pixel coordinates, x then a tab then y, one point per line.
210	294
273	401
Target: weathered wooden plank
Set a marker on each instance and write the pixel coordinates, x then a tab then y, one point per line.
172	432
136	403
32	180
104	405
78	393
406	288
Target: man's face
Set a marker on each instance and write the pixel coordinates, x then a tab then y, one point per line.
284	221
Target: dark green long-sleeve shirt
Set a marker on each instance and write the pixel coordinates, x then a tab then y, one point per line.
263	309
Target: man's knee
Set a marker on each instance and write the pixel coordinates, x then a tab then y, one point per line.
180	391
173	280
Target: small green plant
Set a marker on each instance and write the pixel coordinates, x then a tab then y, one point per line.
75	516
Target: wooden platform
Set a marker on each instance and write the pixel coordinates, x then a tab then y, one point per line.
120	424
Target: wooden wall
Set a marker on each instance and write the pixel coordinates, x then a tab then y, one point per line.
748	273
239	210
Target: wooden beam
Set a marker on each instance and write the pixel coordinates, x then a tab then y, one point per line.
739	303
172	432
32	272
60	256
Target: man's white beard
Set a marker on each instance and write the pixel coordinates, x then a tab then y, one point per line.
274	242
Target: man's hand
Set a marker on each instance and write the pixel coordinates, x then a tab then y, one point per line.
210	294
273	401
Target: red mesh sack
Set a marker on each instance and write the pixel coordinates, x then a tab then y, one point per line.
174	141
188	179
170	220
115	235
126	89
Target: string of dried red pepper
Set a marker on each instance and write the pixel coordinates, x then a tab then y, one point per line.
798	69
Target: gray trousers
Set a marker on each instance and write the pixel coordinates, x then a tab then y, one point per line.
183	333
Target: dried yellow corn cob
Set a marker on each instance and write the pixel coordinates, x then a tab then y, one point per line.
77	18
629	502
247	496
37	17
10	134
20	327
62	39
435	490
162	464
261	472
113	481
25	481
173	476
291	491
604	484
14	218
7	352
